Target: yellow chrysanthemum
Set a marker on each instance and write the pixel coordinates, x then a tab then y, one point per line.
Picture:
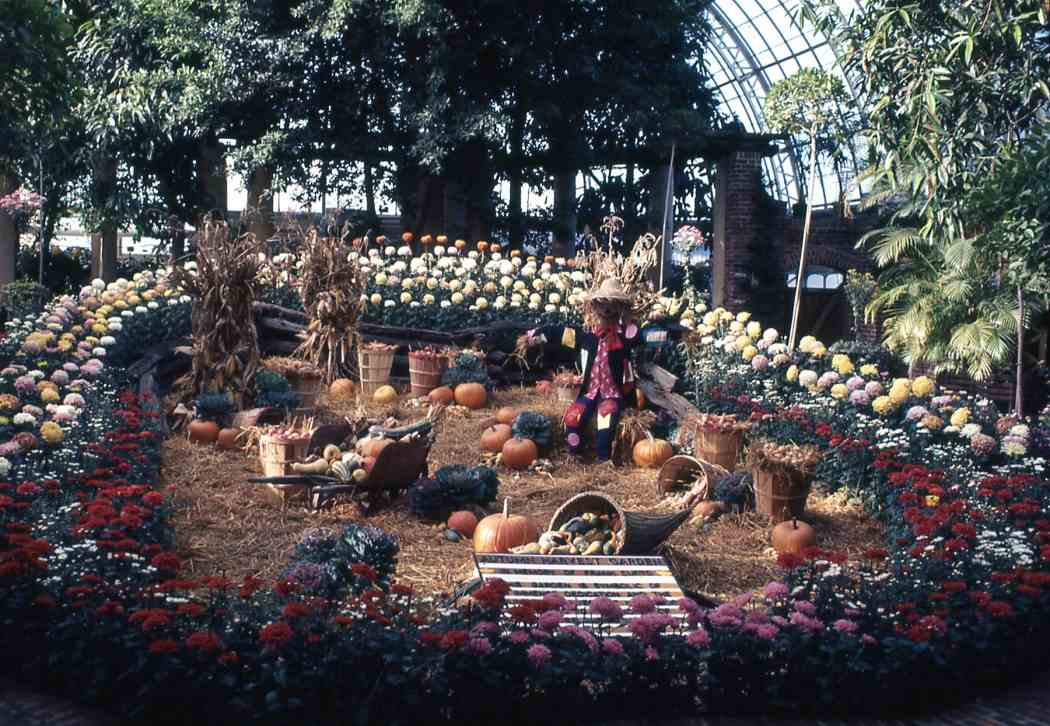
52	433
933	422
806	344
742	342
749	352
754	329
869	369
960	417
50	395
839	391
743	317
736	327
922	386
898	395
792	374
818	350
882	404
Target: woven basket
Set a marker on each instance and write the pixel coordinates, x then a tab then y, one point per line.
375	368
425	371
277	456
686	471
719	448
778	495
642	533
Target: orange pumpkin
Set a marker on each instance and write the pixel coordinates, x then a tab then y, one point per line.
500	532
471	395
792	536
494	247
519	453
651	453
543	386
407	236
342	389
204	432
441	395
463	522
494	437
227	439
506	415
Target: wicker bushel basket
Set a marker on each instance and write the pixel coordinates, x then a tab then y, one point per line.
308	389
718	448
642	533
425	371
682	472
779	495
375	369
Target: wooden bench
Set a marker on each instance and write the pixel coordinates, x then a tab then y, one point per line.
581	579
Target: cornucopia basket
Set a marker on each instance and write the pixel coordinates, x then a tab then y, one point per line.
643	533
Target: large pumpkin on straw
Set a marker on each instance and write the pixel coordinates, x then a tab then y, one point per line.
501	532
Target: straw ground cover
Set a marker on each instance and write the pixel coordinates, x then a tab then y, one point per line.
223	524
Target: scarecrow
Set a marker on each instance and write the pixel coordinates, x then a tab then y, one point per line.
603	353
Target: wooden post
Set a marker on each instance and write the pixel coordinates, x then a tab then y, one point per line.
800	278
1018	390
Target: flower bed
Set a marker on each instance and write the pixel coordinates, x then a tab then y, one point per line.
92	600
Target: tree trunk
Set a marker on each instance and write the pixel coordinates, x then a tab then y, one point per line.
259	205
107	238
212	179
517	152
1019	389
800	279
564	213
370	192
8	233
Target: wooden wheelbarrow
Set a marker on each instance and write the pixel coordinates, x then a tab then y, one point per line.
398	465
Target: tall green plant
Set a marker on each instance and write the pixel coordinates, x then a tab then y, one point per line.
809	105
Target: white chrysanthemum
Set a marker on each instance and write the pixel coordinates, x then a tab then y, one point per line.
99	284
482	303
404	251
389	303
5	467
24	419
107	340
446	304
36	374
389	251
114	327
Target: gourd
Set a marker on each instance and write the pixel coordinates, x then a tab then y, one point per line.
519	453
227	439
471	395
494	437
506	415
331	453
385	394
710	509
651	453
314	467
792	536
441	395
463	522
204	432
500	532
342	389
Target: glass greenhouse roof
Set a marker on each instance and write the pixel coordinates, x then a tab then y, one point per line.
755	44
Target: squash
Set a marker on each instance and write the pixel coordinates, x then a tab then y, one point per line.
519	453
385	394
227	439
204	432
500	532
463	522
651	453
314	467
505	415
471	395
342	389
494	437
331	453
442	395
710	509
792	536
367	463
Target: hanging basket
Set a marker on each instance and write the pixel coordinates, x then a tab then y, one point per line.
719	448
642	533
425	370
779	494
375	368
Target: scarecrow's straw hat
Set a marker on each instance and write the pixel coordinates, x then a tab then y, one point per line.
610	290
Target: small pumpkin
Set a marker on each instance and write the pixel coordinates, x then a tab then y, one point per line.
505	415
494	437
385	394
463	522
710	509
792	536
543	387
441	395
500	532
519	453
342	389
204	432
651	453
227	439
471	395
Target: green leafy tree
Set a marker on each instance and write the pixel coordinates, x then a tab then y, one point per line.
808	105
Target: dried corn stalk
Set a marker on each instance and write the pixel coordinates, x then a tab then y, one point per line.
331	283
634	426
225	342
631	271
